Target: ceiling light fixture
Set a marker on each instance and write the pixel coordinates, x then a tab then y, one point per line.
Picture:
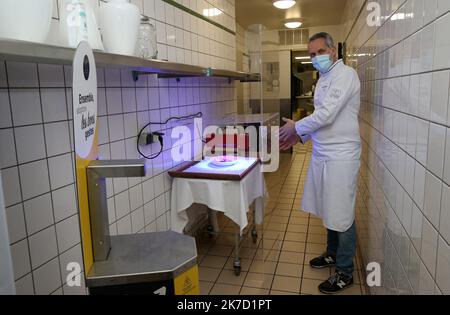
302	58
293	24
283	4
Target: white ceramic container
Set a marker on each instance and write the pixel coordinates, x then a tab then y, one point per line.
27	20
93	31
119	23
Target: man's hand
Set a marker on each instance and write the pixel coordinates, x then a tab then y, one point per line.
288	135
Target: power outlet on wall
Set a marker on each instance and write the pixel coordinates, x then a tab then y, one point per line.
150	138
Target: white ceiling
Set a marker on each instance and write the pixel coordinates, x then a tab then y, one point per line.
311	12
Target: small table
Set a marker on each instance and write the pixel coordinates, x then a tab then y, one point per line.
230	190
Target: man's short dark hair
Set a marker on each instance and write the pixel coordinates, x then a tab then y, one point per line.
327	37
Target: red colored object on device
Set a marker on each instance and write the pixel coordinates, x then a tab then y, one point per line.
231	144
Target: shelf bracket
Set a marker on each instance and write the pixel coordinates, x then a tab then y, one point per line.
135	75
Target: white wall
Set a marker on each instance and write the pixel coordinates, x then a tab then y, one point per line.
403	215
336	31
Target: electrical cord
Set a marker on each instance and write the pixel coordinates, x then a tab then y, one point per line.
160	138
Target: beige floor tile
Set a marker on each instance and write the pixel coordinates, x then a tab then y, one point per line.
282	213
258	280
271	244
284	205
288	193
289	196
316	274
317	249
317	239
300	214
289	284
225	289
205	287
247	252
297	228
259	266
203	239
273	235
290	187
295	237
277	219
297	247
310	286
317	230
203	248
213	261
267	255
289	270
254	291
208	274
220	250
248	242
230	229
229	277
316	222
225	239
275	292
292	257
298	220
280	227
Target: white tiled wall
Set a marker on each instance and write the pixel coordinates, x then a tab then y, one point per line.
404	196
36	152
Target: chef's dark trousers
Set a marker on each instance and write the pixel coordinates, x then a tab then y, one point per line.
342	247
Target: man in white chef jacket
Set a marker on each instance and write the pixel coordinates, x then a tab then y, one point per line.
330	189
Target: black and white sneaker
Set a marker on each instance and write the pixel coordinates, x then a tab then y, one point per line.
323	262
336	283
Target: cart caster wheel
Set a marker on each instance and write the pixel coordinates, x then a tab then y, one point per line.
254	236
210	231
237	271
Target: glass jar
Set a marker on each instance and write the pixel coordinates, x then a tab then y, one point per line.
147	43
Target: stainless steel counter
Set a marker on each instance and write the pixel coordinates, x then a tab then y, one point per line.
144	258
256	118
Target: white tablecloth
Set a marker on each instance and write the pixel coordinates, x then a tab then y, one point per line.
233	198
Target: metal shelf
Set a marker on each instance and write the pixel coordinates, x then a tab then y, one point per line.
234	75
21	51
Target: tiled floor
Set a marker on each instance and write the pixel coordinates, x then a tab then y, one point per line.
278	262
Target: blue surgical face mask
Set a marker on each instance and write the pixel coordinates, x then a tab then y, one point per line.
322	63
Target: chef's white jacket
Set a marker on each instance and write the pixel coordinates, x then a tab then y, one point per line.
333	128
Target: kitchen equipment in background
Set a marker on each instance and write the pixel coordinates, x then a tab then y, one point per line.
27	20
119	23
79	23
147	43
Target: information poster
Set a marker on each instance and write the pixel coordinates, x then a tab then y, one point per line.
86	137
